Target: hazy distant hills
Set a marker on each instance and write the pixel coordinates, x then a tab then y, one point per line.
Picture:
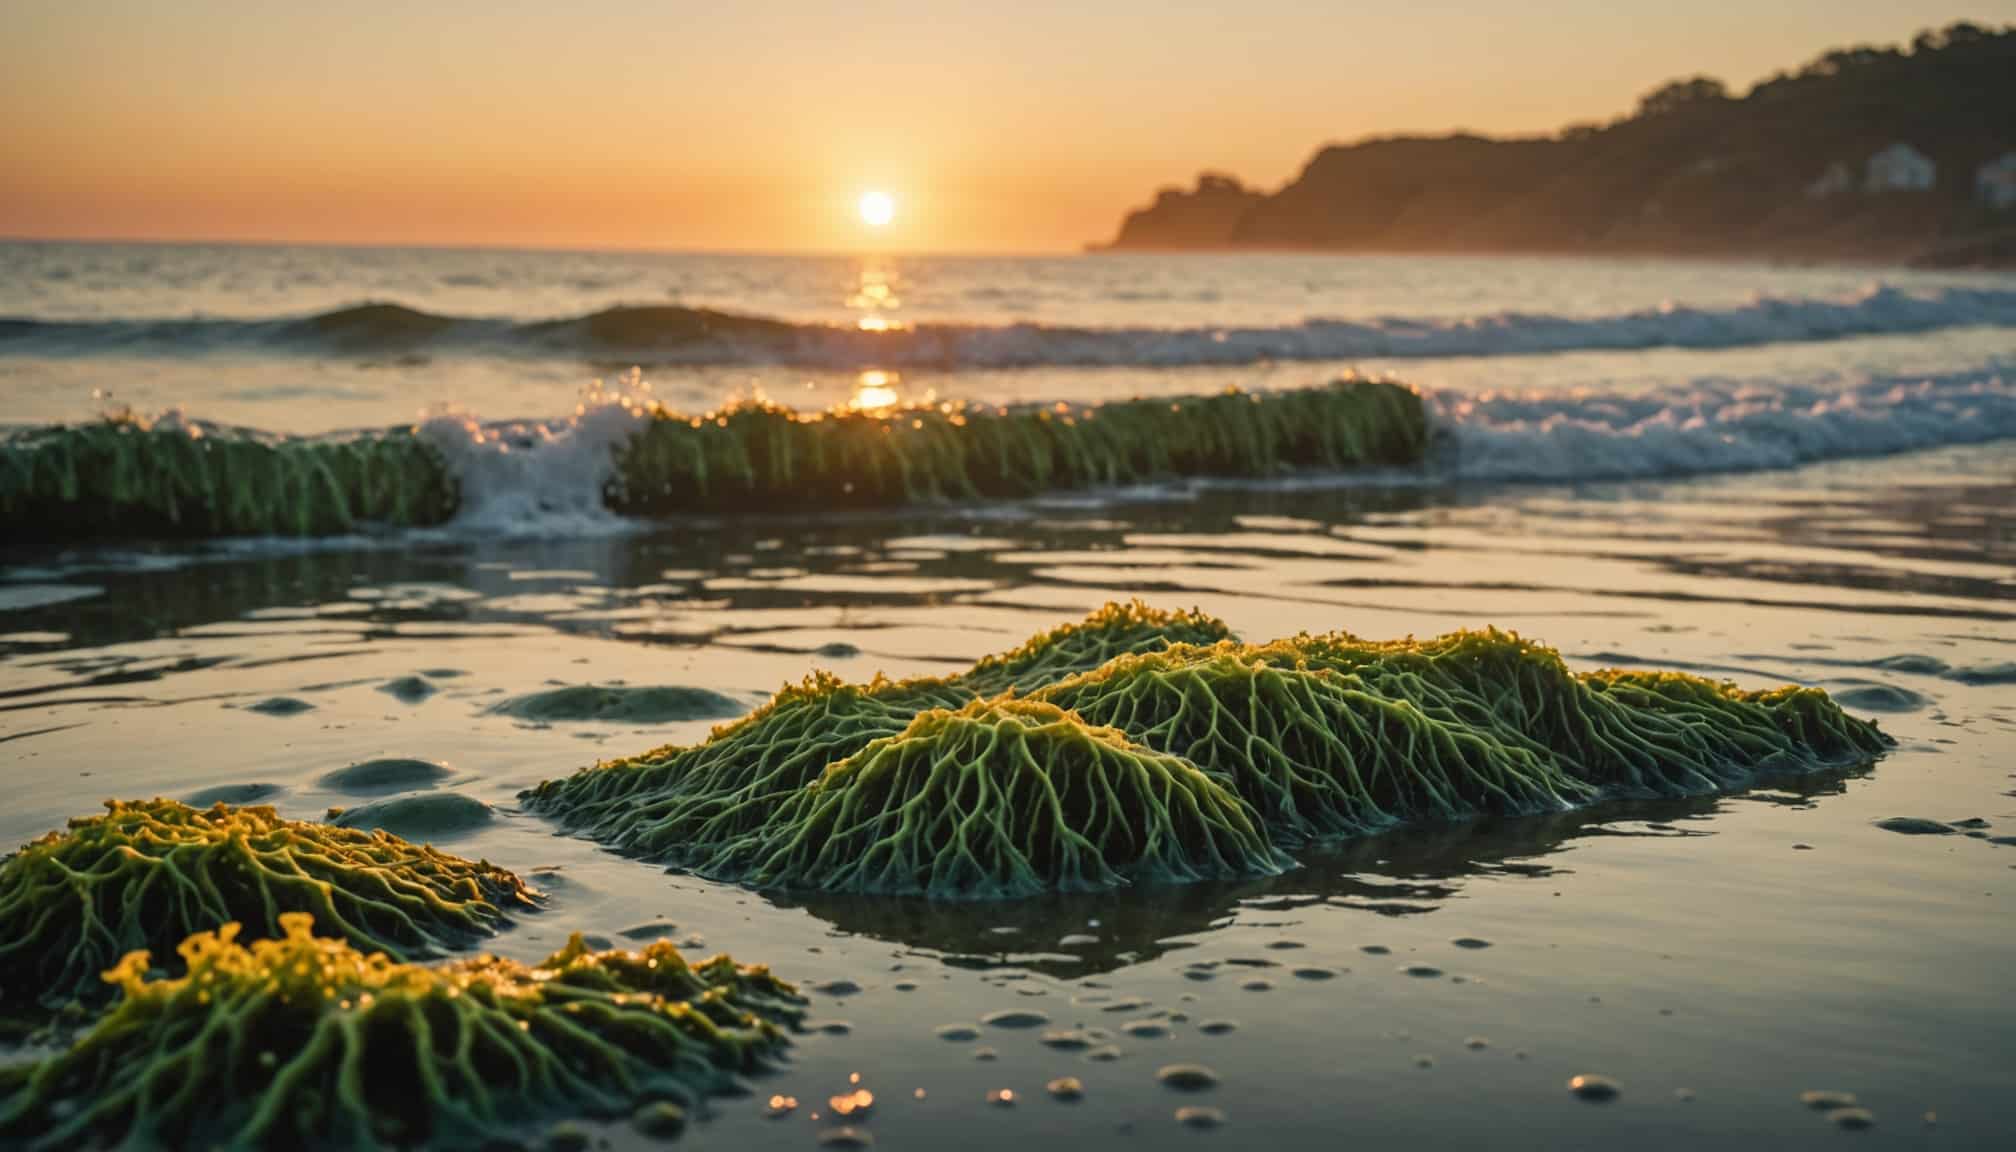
1804	165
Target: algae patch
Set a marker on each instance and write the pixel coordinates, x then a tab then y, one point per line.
421	816
305	1042
146	875
389	774
618	704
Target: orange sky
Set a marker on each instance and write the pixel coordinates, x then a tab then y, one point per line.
756	124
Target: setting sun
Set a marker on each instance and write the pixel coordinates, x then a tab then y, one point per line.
877	209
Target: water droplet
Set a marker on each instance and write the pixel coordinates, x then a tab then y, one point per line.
1198	1116
1066	1088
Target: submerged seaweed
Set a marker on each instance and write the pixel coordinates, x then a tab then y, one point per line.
146	875
639	704
1320	736
306	1042
1001	798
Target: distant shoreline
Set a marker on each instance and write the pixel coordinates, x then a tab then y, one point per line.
1998	253
1900	156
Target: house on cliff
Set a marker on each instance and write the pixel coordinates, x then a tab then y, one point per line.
1900	168
1995	182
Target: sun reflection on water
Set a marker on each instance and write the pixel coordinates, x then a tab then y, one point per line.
875	298
874	391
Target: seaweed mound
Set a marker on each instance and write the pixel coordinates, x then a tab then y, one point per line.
146	875
306	1042
662	803
1317	752
124	476
1318	737
1001	798
672	803
1114	630
1625	733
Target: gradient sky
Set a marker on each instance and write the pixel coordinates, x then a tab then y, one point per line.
1009	125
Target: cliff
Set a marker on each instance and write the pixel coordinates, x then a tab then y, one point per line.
1790	168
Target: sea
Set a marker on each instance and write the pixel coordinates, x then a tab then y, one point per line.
1760	472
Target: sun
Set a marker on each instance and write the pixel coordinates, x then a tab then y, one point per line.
877	209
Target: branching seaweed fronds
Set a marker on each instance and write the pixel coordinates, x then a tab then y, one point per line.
145	875
304	1042
1001	798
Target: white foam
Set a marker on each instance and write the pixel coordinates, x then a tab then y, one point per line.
539	478
1713	426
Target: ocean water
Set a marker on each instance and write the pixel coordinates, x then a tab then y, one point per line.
1761	473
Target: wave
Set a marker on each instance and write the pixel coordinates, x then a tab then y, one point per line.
1714	427
662	335
623	459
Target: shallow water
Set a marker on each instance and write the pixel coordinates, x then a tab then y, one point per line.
1717	957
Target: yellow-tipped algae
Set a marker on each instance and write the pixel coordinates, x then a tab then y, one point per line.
1000	798
304	1042
145	875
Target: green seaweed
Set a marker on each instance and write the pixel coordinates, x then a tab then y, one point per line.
767	456
1001	798
1322	736
145	875
1626	733
673	800
1113	630
125	476
305	1042
1317	752
672	803
638	704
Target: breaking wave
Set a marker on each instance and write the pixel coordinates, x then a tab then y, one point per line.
623	459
